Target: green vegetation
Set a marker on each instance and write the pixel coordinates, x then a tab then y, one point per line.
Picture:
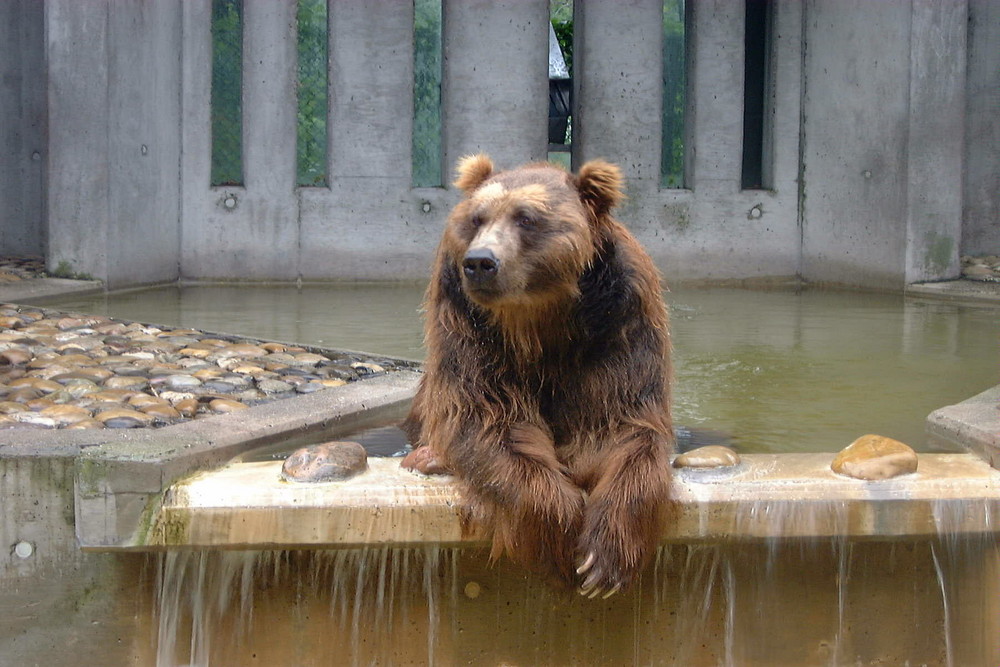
313	98
65	270
227	92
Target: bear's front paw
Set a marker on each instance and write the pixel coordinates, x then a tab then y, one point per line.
423	459
601	576
609	561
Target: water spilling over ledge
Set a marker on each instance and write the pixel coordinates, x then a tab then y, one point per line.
248	506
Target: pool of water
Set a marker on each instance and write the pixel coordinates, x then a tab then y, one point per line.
779	371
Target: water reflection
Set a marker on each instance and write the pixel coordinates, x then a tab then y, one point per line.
780	371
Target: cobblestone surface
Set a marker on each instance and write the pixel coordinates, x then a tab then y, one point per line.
70	370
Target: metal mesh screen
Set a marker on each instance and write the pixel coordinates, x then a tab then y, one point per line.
674	95
227	92
426	93
313	93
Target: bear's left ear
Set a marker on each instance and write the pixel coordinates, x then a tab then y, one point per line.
472	171
600	185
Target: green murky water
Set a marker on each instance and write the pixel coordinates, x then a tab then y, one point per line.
778	371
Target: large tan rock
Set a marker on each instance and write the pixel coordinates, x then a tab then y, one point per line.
710	456
326	462
873	457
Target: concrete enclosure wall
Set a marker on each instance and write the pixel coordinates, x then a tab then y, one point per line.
22	127
882	150
981	220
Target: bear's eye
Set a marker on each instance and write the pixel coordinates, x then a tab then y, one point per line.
524	220
477	221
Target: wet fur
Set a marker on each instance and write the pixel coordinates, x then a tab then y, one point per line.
550	401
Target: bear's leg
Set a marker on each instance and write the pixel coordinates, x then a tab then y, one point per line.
625	511
520	492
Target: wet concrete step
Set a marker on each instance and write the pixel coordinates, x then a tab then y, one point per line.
249	506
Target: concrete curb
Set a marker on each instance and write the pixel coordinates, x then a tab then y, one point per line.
973	424
40	290
768	496
964	291
120	477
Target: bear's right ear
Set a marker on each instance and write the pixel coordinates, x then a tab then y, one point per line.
600	185
472	171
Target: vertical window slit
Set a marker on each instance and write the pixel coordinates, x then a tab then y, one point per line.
754	176
227	92
426	150
312	93
560	81
674	94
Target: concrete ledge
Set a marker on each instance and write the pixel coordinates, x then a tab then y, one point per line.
41	290
965	291
973	424
248	506
120	478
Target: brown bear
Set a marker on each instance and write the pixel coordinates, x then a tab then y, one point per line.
547	381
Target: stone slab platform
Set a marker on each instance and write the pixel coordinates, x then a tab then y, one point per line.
41	290
968	291
248	506
973	424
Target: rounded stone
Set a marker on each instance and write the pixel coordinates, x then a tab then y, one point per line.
65	414
126	382
85	424
274	386
873	457
308	359
10	407
182	382
710	456
367	368
121	417
188	407
15	356
219	386
34	419
140	401
309	387
161	411
326	462
224	405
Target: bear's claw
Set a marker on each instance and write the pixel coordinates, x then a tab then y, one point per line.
590	588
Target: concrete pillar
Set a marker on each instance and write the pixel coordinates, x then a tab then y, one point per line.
78	155
717	97
22	127
143	121
856	100
617	70
936	139
981	215
256	235
114	89
495	80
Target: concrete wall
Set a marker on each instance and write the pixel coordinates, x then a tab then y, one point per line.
114	139
880	170
883	141
22	127
706	230
981	214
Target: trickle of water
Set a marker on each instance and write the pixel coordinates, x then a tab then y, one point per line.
745	603
208	604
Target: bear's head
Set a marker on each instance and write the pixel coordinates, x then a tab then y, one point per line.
524	236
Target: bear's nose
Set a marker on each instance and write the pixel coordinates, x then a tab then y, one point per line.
480	264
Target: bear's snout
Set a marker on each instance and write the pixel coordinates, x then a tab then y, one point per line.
480	265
